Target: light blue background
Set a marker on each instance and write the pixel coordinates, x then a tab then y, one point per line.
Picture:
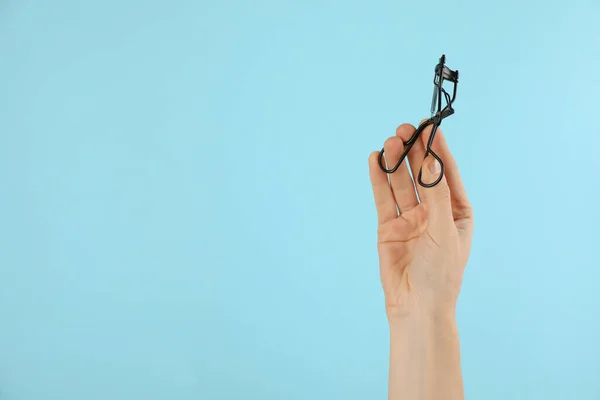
185	211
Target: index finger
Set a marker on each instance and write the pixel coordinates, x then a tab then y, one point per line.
384	198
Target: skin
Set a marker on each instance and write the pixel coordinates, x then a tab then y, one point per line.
423	249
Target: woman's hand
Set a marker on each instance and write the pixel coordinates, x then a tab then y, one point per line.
423	250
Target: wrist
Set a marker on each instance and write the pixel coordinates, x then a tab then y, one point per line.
425	355
439	327
431	318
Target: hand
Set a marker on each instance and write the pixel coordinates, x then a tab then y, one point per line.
424	249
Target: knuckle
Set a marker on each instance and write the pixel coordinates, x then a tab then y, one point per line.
388	142
405	131
373	156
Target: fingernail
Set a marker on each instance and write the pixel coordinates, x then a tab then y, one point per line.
435	167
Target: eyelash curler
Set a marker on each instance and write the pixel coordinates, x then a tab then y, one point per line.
442	73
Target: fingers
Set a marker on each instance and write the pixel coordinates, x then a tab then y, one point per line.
416	153
447	199
437	197
461	207
384	198
400	181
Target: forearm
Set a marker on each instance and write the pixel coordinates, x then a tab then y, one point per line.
425	358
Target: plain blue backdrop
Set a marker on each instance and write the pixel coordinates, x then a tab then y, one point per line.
185	210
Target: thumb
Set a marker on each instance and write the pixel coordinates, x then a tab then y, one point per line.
437	197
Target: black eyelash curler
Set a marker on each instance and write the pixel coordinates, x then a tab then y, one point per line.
442	73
